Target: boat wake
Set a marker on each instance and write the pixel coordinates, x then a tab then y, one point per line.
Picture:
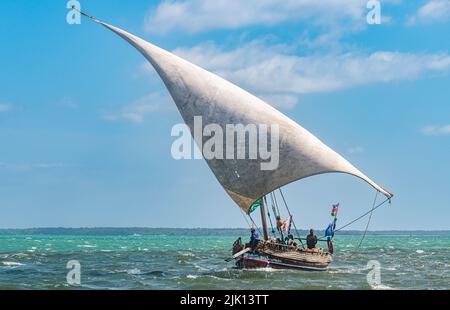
10	264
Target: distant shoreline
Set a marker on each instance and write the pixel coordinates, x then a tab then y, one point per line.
147	231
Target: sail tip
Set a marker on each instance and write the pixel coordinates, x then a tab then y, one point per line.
388	194
85	14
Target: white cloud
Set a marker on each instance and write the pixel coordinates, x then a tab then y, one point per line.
280	101
47	165
356	150
29	166
136	111
275	72
272	70
68	102
433	10
203	15
5	107
436	130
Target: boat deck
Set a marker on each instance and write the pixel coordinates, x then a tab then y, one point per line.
290	256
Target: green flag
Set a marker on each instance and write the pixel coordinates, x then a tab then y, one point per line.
254	206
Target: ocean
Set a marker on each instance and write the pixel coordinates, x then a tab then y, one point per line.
195	259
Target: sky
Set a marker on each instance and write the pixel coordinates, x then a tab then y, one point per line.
85	122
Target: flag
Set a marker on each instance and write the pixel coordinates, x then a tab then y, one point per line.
254	206
335	209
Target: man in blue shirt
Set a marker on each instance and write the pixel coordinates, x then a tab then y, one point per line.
254	238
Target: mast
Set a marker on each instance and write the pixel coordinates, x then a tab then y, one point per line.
264	219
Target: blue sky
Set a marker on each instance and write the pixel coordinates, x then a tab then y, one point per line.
85	123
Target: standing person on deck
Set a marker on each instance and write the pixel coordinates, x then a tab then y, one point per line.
311	239
281	224
254	238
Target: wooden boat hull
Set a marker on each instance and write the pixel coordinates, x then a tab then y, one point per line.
266	262
280	256
252	262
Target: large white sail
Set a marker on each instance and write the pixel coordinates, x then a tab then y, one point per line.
197	92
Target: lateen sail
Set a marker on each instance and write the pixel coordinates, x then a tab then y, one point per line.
197	92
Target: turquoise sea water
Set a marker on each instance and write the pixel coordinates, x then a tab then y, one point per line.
186	260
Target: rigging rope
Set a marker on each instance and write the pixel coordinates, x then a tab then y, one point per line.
274	206
360	217
245	218
254	224
276	203
374	207
292	218
270	219
368	222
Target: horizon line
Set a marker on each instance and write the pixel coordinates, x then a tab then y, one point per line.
215	228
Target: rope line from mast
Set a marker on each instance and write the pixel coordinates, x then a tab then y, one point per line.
254	224
358	218
363	215
276	212
368	222
268	214
245	218
84	14
279	228
292	219
276	203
